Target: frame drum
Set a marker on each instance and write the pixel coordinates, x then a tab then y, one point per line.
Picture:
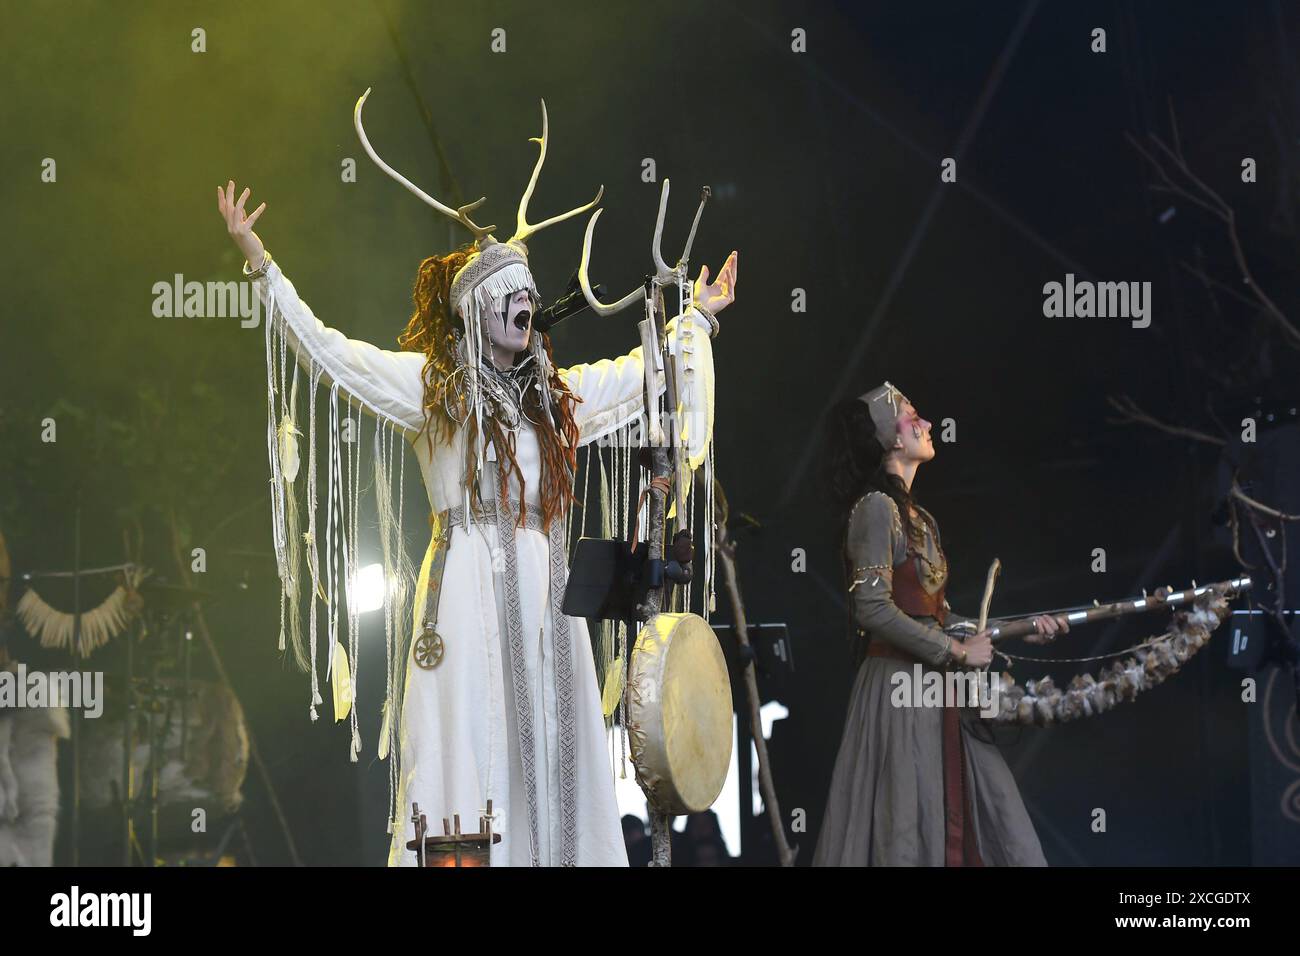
679	718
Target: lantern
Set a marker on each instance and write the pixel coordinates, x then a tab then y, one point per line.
453	848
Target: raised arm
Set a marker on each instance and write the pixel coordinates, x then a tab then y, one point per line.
874	543
612	390
386	384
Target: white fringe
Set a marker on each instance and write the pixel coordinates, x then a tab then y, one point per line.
54	628
314	554
500	284
331	569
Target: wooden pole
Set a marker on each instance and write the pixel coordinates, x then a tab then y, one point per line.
660	822
1161	600
726	553
76	666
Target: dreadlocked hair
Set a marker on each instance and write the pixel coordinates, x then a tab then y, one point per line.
431	330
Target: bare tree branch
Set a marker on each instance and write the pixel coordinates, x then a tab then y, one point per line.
1132	414
1200	194
1259	505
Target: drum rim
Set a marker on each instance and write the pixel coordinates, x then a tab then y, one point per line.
647	733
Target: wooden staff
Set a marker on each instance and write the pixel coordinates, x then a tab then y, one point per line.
994	569
726	551
1162	599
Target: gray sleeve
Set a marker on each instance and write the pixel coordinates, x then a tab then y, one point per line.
874	535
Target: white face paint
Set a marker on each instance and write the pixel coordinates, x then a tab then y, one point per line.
509	333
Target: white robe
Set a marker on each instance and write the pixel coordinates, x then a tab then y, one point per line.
459	742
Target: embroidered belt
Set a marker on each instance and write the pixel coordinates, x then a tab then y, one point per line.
488	516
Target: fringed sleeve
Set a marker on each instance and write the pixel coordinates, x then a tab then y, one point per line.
358	377
612	390
386	384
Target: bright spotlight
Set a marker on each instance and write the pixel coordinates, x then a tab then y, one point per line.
368	588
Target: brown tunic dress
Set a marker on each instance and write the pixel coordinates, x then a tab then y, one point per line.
894	799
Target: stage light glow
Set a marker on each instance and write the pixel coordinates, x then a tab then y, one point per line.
368	588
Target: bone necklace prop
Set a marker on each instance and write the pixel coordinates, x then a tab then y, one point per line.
1162	599
1199	610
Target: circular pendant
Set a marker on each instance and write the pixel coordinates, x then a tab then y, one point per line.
428	649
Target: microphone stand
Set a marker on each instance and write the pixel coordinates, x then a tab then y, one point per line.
663	445
76	666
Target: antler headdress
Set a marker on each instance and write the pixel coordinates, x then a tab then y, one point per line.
496	269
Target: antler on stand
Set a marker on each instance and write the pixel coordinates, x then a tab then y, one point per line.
584	278
663	274
678	272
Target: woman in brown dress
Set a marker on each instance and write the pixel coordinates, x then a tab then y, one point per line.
913	785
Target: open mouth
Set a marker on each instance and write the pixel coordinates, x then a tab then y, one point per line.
522	320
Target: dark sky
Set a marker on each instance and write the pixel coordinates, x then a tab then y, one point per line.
825	174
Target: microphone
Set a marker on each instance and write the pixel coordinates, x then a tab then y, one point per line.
571	303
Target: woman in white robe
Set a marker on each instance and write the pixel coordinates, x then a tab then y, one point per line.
459	738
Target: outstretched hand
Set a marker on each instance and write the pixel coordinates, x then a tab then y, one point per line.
719	294
239	225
